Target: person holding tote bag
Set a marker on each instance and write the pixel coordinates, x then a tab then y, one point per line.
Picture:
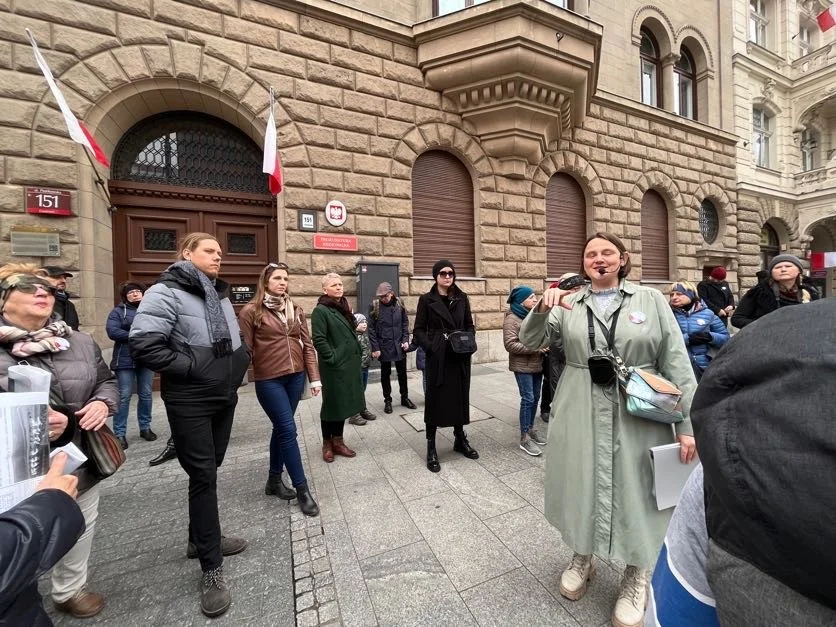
442	311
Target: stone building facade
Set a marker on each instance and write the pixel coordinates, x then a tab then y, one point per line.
785	114
519	91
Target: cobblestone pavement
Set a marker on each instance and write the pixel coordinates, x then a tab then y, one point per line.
394	544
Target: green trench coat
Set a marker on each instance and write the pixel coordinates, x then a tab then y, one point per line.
339	357
598	486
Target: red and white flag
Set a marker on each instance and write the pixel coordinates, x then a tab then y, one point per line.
827	18
78	133
272	166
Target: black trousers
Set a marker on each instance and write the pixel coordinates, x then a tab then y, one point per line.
201	434
332	428
385	381
546	393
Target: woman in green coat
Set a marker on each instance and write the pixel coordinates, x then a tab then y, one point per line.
333	336
598	474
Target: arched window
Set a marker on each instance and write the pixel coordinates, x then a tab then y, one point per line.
709	221
655	250
770	245
189	149
651	69
565	225
442	214
684	85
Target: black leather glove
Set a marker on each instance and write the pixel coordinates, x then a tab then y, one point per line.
699	338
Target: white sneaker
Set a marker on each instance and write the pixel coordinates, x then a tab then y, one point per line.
575	579
528	445
632	598
537	437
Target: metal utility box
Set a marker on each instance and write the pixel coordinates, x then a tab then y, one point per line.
369	275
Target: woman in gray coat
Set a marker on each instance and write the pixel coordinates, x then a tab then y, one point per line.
87	392
598	475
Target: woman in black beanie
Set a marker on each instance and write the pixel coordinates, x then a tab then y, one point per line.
442	310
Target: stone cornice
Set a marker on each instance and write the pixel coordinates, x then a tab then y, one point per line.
149	190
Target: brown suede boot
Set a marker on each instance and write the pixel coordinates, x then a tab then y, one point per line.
341	449
327	451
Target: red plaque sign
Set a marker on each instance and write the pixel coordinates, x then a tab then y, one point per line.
55	202
323	241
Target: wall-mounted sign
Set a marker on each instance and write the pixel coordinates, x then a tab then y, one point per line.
42	200
307	221
35	241
241	294
322	241
335	213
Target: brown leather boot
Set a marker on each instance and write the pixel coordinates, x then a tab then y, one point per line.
328	451
83	605
341	449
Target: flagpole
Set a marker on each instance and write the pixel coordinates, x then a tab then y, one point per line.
100	182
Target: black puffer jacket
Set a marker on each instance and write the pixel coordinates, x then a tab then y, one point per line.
388	329
170	335
34	535
763	299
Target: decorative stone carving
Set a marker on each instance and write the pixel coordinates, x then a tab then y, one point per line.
520	74
768	90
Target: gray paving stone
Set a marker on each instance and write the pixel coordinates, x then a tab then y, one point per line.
529	484
376	518
353	597
360	469
408	475
415	419
307	619
328	612
468	551
484	494
515	598
408	586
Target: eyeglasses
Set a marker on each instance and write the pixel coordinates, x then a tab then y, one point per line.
446	274
279	266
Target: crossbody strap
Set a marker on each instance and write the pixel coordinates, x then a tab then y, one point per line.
608	333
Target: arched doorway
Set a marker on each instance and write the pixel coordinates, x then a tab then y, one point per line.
178	172
770	245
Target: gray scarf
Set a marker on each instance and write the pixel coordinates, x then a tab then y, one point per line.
218	327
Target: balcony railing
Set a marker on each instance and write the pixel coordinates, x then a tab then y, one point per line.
819	58
818	179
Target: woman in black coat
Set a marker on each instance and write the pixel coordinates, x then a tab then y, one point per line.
783	288
445	308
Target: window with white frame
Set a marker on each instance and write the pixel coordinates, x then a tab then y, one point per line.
650	69
761	136
443	7
684	80
809	150
803	39
758	22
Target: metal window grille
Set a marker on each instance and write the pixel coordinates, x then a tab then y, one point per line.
709	221
190	149
162	240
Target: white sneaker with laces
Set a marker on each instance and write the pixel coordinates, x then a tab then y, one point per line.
632	598
529	446
576	578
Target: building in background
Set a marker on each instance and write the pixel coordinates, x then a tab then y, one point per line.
785	114
498	134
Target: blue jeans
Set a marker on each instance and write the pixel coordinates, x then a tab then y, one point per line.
279	399
144	381
365	378
529	386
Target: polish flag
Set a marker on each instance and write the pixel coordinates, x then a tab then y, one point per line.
272	166
827	18
822	261
78	133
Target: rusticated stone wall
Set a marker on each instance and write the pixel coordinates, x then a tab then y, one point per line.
353	116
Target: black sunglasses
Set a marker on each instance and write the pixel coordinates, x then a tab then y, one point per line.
446	274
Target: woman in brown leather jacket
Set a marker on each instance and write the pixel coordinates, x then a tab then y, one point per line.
277	333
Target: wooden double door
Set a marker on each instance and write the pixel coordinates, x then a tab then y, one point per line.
151	219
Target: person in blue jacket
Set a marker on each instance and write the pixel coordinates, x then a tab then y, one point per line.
118	326
701	328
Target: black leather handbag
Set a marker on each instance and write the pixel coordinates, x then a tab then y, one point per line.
462	342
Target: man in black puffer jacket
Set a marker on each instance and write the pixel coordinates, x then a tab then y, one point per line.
389	337
185	329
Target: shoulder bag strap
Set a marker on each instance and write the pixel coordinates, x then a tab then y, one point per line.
608	333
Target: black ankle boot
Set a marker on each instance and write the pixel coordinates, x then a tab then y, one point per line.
169	452
276	486
461	445
432	456
306	501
